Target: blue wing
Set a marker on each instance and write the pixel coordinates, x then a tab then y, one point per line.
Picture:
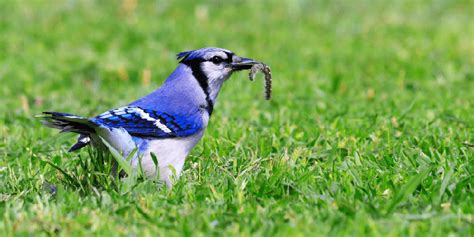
150	123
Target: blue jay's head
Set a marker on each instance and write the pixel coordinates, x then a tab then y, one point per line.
214	63
212	66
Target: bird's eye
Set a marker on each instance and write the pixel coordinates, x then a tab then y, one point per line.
217	59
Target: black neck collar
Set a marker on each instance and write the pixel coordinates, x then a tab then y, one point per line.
202	79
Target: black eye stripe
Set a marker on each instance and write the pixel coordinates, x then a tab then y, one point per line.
217	59
229	57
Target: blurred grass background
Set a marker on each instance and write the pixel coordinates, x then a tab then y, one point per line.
369	131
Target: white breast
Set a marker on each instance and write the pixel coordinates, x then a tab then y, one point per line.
171	154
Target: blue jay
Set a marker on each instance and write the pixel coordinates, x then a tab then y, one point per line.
169	122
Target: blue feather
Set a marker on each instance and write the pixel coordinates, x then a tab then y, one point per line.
150	123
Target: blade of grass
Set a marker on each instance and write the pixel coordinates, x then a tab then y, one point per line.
442	189
68	177
406	190
119	158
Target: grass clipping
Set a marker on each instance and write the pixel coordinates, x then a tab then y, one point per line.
261	67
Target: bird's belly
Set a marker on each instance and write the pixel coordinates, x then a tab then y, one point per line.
170	153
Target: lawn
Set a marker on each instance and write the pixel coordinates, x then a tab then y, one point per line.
370	131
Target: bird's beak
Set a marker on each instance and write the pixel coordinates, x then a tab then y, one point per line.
242	63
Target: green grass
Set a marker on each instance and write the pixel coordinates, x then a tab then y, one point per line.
367	133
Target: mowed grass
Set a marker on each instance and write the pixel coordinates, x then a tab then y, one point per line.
369	132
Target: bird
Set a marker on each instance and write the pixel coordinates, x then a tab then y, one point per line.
165	124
